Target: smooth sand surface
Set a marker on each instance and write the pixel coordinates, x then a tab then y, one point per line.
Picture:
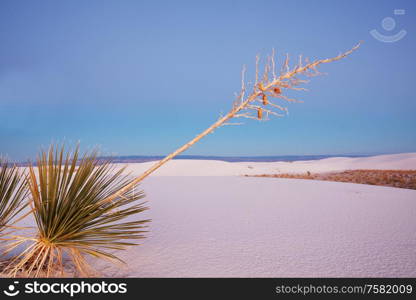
266	227
206	224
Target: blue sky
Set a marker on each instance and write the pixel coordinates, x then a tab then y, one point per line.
143	77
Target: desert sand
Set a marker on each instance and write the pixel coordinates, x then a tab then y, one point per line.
206	224
208	221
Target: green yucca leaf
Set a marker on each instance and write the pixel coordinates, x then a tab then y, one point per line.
68	193
13	191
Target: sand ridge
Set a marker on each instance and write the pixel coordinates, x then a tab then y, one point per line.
187	167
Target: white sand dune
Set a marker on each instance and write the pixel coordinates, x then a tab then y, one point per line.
208	222
183	167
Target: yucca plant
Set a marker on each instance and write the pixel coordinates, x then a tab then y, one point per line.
78	208
74	219
13	191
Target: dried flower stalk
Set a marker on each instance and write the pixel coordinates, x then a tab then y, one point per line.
269	86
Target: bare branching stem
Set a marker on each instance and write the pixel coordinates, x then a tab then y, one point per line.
242	107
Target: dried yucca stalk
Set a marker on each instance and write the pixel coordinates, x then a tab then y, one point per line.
270	85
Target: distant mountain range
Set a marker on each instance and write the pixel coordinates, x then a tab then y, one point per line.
147	158
140	158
